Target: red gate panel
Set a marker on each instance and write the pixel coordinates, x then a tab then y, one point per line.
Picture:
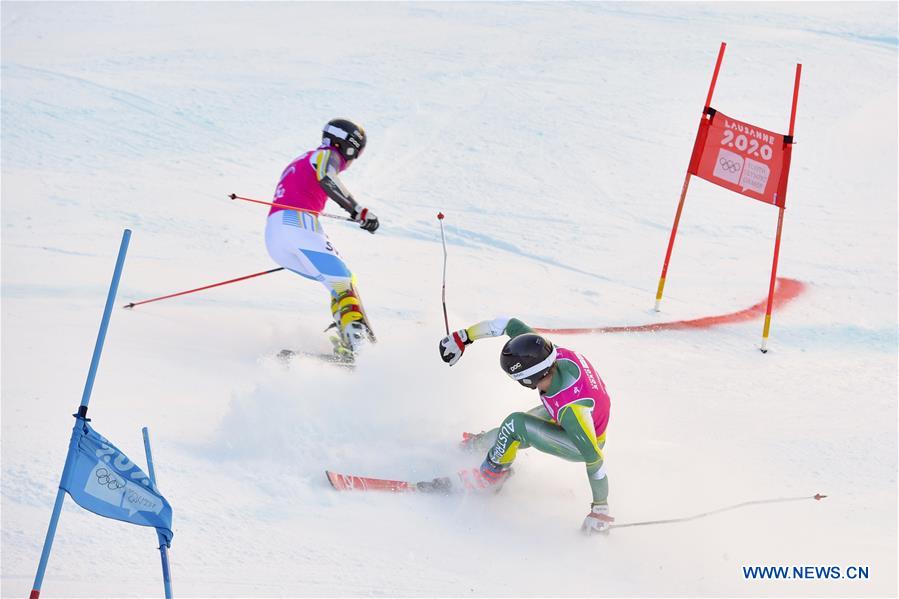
741	157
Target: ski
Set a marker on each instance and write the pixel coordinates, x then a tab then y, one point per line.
468	480
288	354
349	482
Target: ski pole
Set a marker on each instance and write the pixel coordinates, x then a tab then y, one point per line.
156	299
443	293
816	497
286	207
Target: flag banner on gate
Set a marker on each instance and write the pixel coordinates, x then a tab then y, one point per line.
741	157
102	479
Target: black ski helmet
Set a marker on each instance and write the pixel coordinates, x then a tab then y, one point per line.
346	136
527	358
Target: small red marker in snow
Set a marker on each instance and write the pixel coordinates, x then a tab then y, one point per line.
440	216
819	497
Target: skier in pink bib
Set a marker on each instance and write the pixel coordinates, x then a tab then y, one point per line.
296	240
570	423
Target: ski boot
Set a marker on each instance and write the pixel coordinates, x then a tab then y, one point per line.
354	335
346	308
342	353
346	345
352	327
347	342
489	478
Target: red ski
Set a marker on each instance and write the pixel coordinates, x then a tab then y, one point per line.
348	482
469	480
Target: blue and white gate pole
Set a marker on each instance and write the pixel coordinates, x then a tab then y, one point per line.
163	546
81	415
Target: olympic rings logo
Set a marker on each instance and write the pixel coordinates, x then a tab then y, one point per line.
729	165
109	480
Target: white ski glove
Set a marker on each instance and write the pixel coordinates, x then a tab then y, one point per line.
366	219
453	346
598	520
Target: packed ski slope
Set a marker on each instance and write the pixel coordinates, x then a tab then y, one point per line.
555	138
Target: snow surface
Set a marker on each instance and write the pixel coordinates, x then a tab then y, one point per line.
555	138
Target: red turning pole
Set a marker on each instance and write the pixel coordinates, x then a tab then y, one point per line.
766	330
795	97
708	99
156	299
683	193
767	327
234	196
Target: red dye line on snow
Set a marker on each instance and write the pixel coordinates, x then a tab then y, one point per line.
786	291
